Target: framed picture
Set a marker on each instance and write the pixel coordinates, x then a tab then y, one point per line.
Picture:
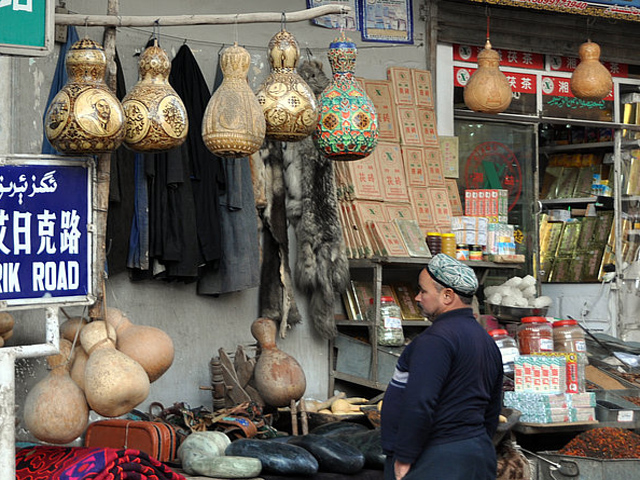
389	21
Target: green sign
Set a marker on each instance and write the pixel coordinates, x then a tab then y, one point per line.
26	27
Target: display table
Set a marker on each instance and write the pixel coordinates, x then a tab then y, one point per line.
362	475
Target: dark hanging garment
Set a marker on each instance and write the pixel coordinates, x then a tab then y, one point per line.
206	170
121	196
184	186
59	80
239	266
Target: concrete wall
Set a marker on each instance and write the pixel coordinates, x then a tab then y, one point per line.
199	326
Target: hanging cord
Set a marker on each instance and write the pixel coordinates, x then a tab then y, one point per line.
235	29
488	14
283	22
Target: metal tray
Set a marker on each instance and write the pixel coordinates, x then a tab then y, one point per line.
514	314
585	468
611	407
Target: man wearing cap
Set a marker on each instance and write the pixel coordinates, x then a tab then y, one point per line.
441	407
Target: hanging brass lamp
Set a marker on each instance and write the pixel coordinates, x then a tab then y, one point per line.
156	118
85	117
347	127
233	124
590	80
488	89
288	103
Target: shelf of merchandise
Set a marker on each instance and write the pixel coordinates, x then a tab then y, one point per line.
374	269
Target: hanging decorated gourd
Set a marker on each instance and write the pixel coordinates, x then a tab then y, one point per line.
85	117
233	124
156	118
114	383
288	103
590	80
149	346
278	376
55	409
488	89
347	127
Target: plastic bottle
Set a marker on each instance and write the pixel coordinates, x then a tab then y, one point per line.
389	325
535	335
569	337
434	241
449	244
508	348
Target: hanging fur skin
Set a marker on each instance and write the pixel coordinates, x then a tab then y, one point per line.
321	268
277	300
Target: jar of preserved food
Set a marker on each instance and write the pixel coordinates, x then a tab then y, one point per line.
449	244
389	325
535	335
569	337
434	242
462	252
475	252
508	348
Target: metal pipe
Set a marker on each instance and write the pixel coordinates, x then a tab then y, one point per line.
8	388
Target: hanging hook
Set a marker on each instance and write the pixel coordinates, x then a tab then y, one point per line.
86	23
283	21
156	31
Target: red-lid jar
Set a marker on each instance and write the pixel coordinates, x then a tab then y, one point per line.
568	337
508	348
535	335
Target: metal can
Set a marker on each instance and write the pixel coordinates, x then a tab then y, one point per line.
462	252
475	252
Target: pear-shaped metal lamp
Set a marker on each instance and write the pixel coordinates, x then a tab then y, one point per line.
156	118
488	89
233	124
590	80
347	126
289	105
85	117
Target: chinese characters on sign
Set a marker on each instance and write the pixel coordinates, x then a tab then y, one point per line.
45	246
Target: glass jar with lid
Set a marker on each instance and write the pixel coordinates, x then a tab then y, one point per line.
535	335
389	325
569	337
508	348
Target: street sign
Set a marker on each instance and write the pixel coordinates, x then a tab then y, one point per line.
46	231
27	27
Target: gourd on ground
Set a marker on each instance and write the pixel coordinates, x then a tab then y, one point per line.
114	383
55	409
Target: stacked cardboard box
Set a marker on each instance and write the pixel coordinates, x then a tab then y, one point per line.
390	199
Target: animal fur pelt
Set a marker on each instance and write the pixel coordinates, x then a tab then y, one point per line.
277	300
321	268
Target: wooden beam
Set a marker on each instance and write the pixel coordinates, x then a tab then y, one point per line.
180	20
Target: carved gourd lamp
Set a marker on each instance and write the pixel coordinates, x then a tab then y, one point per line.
233	124
85	117
488	89
590	80
156	118
347	127
288	103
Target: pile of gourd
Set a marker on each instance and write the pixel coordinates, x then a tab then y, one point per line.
104	365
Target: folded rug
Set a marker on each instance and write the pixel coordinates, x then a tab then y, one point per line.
76	463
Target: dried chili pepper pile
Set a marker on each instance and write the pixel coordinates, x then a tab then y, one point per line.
605	443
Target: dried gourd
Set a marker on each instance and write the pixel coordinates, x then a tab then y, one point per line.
55	409
114	383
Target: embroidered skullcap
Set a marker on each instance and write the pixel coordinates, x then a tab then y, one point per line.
453	274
